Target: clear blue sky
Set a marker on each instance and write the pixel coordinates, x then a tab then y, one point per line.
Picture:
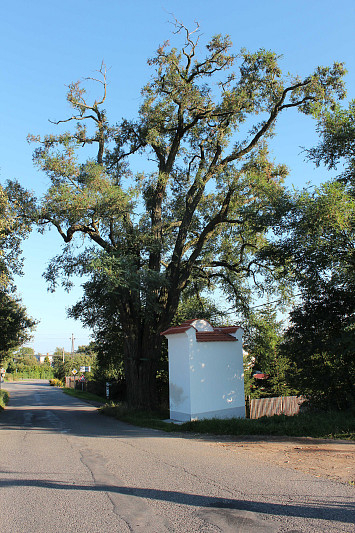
47	44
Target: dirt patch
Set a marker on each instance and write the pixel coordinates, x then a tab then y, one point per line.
322	458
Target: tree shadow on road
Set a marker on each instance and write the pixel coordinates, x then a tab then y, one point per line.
321	510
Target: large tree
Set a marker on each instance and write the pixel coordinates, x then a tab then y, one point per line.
317	250
206	197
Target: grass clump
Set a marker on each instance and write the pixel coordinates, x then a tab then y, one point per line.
329	425
4	399
326	425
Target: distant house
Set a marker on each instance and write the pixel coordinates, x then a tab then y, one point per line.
206	377
40	358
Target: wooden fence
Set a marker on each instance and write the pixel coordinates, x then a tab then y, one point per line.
283	405
69	381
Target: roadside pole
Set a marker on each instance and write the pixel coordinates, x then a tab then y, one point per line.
2	374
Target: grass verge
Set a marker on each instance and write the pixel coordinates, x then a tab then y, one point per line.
4	399
325	425
146	419
85	396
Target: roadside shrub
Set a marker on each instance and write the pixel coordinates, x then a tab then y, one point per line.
42	373
4	399
56	382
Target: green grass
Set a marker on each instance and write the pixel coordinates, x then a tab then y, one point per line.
136	417
328	425
85	396
4	399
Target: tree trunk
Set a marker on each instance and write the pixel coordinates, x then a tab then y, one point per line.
142	349
142	352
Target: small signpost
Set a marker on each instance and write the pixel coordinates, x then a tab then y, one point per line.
82	380
74	372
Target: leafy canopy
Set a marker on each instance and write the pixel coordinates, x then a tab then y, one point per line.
206	206
16	204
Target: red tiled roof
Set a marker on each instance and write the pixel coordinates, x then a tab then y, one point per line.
228	329
175	329
179	329
214	336
217	335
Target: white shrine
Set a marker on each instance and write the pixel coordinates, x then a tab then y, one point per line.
206	377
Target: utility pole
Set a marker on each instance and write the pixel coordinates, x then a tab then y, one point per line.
72	344
63	354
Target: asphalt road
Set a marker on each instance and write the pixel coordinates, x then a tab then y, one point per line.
66	468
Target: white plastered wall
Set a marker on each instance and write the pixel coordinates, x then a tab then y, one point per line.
216	377
179	375
206	378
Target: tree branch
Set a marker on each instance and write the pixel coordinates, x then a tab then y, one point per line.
92	233
267	125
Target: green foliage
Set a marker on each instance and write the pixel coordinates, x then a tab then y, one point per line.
321	348
62	369
46	362
16	213
4	399
316	250
201	209
15	324
263	336
23	352
22	364
99	310
35	372
337	130
89	349
195	305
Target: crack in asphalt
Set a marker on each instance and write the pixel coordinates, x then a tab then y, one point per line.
133	511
